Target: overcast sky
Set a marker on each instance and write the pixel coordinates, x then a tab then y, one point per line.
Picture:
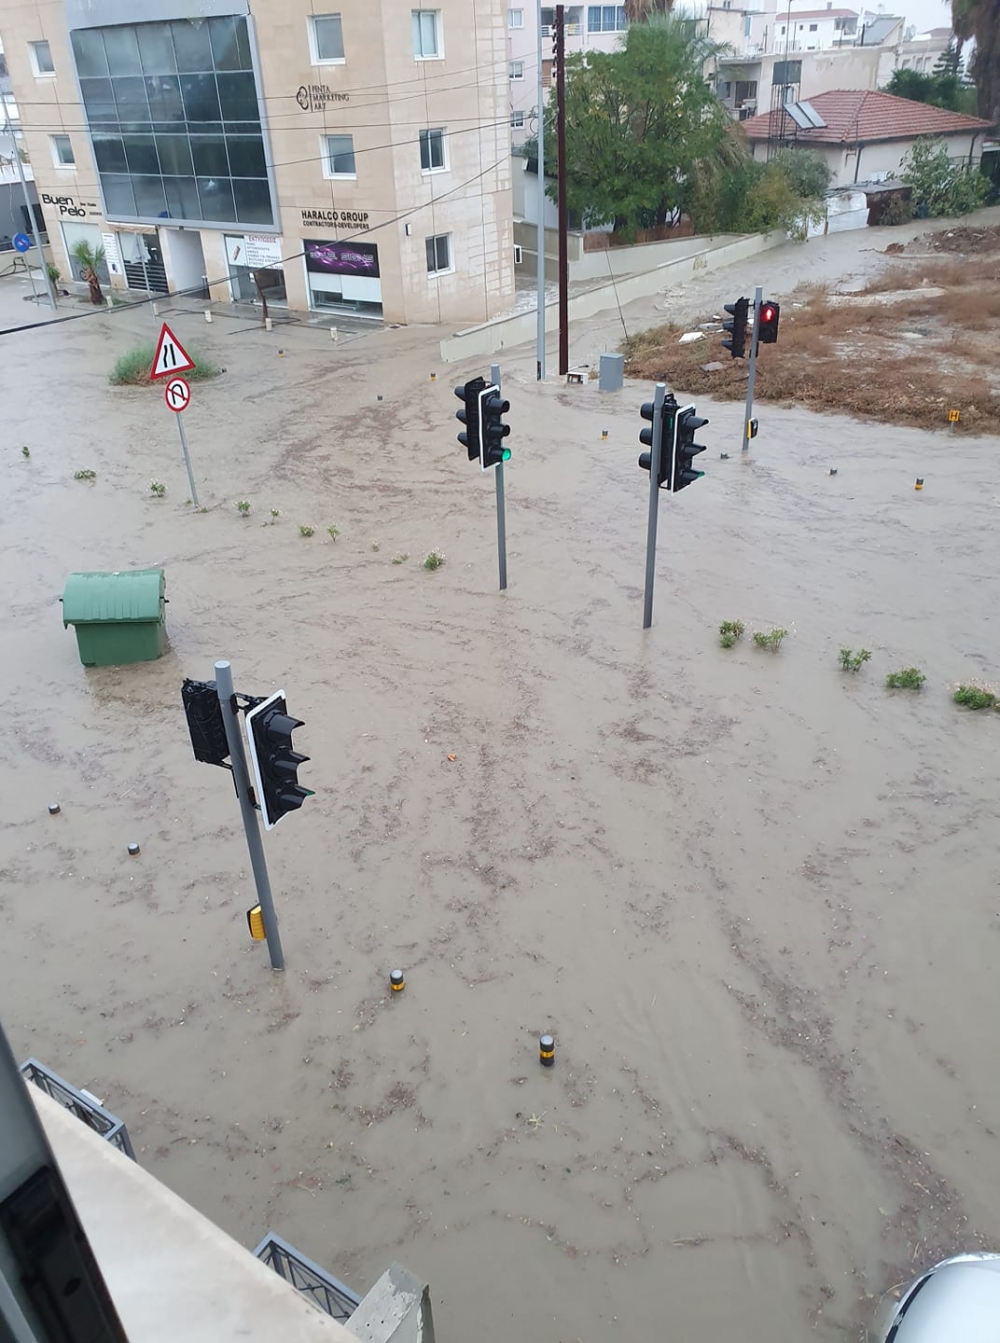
923	14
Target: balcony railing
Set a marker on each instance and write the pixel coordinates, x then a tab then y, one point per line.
324	1291
81	1103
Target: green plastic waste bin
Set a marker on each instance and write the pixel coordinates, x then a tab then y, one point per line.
119	618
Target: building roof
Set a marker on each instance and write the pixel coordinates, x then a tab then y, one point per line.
856	116
819	14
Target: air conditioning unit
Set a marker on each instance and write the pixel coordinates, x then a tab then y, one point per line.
518	254
749	102
574	29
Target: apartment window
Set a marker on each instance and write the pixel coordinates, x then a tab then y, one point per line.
41	58
813	27
62	151
432	158
606	18
516	70
517	121
426	34
326	39
515	18
438	254
339	160
746	89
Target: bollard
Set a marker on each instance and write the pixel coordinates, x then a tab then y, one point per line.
268	324
133	850
832	471
604	435
396	981
546	1051
433	377
281	352
920	483
53	808
208	315
333	333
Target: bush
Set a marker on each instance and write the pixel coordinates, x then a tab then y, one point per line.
910	678
940	186
132	368
897	210
971	697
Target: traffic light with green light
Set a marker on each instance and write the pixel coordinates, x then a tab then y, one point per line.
688	424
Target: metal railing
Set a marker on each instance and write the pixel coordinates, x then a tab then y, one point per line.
81	1103
318	1286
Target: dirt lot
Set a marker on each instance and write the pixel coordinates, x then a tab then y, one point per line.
754	899
908	361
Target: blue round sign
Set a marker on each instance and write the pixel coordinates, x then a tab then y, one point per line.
22	242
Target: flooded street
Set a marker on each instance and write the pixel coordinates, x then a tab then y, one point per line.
755	899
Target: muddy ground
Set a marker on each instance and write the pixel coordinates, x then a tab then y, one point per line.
754	898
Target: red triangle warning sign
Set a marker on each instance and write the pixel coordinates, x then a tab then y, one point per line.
171	356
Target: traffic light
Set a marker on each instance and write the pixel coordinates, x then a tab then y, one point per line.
492	430
768	330
204	719
275	763
469	415
737	328
667	421
688	424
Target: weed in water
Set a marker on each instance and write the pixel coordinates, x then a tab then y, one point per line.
25	451
243	507
909	678
401	558
333	532
434	559
729	632
972	697
851	661
85	475
771	640
306	531
275	515
201	510
157	488
132	369
376	547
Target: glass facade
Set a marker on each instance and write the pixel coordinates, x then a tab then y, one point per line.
174	119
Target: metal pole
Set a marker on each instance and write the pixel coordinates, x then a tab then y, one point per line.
49	286
540	245
230	716
501	514
654	504
561	170
187	457
152	307
748	412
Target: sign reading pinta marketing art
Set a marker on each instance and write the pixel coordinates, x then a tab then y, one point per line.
316	97
341	258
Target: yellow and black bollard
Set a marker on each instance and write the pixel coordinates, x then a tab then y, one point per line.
546	1051
396	981
255	922
920	483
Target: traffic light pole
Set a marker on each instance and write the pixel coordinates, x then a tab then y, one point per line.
501	510
238	760
758	299
654	503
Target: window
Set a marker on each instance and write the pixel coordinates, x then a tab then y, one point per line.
41	58
426	34
438	254
516	70
517	121
62	151
606	18
515	18
339	161
813	27
326	39
432	157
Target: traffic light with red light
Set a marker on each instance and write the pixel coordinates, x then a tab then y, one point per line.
737	343
768	329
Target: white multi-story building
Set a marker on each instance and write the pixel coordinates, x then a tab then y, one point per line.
334	154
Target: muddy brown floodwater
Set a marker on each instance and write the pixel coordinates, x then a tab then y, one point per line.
754	899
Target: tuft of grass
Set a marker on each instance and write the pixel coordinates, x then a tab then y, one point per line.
401	558
86	474
771	640
243	507
973	697
26	451
275	515
333	532
434	559
203	509
376	547
157	488
730	631
908	678
132	368
853	662
306	531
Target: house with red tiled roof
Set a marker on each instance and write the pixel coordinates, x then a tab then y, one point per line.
865	135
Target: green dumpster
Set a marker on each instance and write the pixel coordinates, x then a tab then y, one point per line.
118	617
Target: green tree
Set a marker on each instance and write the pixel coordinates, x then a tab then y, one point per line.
940	186
980	20
90	260
945	86
642	123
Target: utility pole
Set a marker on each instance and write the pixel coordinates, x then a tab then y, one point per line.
540	245
561	168
32	231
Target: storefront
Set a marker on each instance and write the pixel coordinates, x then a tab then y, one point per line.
134	252
343	277
89	234
255	268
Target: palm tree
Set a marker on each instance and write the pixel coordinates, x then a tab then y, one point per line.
980	19
90	260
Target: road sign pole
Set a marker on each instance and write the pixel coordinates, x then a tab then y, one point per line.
50	288
251	827
187	458
501	511
654	503
758	299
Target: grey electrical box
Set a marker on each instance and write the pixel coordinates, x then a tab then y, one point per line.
612	372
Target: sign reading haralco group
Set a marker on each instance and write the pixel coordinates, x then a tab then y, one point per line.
357	219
